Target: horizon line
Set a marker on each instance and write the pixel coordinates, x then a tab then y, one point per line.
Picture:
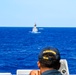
31	26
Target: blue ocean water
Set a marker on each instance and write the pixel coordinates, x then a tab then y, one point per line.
19	47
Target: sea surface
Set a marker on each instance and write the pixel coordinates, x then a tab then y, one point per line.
19	47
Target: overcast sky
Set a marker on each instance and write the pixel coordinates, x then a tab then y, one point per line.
45	13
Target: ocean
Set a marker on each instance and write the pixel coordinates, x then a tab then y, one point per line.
19	47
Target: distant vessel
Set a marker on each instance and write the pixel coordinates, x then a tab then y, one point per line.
35	30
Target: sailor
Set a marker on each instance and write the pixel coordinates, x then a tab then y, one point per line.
48	62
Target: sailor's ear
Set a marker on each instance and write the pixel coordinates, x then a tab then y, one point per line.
38	63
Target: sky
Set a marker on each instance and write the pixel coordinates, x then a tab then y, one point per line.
45	13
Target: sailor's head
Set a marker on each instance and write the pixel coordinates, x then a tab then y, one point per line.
49	57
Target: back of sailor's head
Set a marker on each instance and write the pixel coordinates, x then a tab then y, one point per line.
49	57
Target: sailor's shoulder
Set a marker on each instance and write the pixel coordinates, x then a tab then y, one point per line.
35	72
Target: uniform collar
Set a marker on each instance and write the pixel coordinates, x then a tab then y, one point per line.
50	72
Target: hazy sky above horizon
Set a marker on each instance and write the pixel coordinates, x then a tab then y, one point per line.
45	13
